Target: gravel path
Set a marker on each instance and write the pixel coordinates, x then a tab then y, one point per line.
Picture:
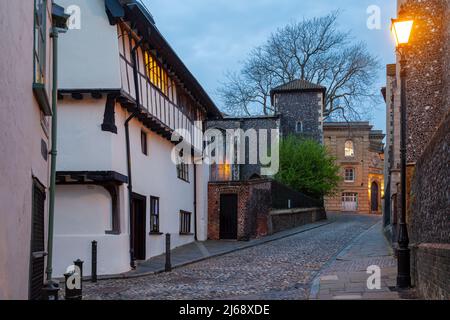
283	269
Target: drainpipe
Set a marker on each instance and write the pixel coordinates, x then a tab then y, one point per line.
53	286
127	138
195	202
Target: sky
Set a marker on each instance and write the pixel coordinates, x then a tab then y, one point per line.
215	36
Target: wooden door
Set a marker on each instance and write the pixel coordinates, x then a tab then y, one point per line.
228	216
374	197
138	226
37	260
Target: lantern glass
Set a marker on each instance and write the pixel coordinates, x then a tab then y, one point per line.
401	30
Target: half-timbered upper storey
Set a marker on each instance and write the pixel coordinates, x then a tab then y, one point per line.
170	97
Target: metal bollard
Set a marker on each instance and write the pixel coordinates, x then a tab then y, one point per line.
74	282
168	262
94	262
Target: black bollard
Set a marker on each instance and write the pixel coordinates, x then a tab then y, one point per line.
74	282
168	262
94	262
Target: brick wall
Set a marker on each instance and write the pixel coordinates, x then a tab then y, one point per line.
256	199
252	210
431	270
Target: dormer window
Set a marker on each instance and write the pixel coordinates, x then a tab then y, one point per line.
156	73
349	148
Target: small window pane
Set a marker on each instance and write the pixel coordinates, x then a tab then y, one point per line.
185	222
154	214
349	174
349	149
144	146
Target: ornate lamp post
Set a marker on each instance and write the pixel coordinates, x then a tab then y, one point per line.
402	30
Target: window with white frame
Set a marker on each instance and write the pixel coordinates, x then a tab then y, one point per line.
349	175
349	148
40	19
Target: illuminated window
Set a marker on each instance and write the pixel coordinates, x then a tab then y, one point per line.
156	74
349	149
349	175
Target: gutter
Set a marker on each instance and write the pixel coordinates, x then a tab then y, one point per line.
195	202
127	138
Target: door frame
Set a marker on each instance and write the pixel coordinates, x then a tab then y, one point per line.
235	231
143	228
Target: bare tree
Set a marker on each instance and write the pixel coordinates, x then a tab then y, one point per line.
313	50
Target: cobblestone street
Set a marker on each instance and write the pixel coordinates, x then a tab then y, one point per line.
282	269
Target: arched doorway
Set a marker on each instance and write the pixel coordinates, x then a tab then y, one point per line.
374	197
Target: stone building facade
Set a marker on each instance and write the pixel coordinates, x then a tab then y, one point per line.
359	152
245	171
428	171
300	105
240	197
298	109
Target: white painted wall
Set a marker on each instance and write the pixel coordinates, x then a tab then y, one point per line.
89	57
82	145
203	177
83	214
156	175
20	143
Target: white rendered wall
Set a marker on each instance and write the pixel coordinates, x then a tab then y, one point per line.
82	145
203	172
21	132
89	56
83	214
156	175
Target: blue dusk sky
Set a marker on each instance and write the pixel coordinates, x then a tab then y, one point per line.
213	36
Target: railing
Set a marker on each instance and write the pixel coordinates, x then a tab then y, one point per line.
284	197
158	104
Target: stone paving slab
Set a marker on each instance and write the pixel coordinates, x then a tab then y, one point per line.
346	277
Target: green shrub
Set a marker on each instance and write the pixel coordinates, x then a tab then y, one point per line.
306	166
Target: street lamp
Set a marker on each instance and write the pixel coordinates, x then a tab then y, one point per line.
401	29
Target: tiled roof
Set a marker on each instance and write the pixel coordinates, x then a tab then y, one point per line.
298	85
